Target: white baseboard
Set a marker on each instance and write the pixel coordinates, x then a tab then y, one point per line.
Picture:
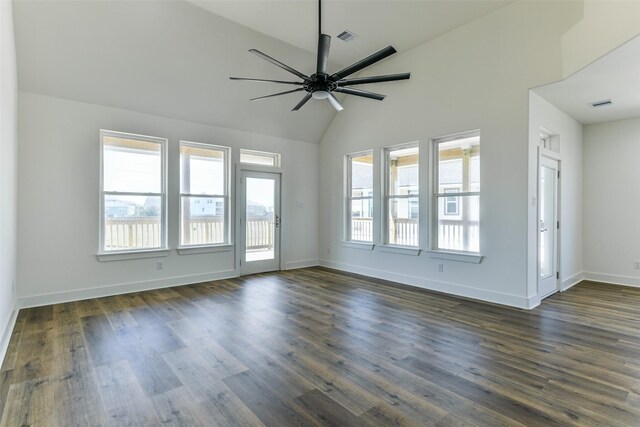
613	279
449	288
6	332
292	265
105	291
570	282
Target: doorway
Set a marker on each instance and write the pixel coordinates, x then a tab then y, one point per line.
548	226
259	216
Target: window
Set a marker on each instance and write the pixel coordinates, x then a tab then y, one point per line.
401	195
204	194
457	196
260	158
360	197
451	203
133	193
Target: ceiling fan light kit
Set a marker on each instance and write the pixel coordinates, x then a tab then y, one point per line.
321	85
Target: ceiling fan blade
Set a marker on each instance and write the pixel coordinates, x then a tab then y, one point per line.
364	63
374	79
324	44
265	80
334	103
277	94
301	103
363	93
279	64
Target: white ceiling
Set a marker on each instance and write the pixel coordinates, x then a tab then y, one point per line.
166	58
173	58
403	24
615	76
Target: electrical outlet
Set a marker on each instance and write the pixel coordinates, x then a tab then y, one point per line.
440	268
636	265
159	265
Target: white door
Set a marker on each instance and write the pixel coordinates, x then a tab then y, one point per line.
547	227
259	222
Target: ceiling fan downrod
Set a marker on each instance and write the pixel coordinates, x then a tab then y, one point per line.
321	85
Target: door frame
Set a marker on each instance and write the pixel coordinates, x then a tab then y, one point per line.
553	156
239	199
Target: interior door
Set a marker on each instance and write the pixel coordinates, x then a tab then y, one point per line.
547	227
259	222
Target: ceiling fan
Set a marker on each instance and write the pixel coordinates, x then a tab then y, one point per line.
321	85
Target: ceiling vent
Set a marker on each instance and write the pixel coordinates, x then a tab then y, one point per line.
601	103
347	36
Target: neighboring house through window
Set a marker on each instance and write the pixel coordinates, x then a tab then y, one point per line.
133	192
401	195
359	203
457	194
204	194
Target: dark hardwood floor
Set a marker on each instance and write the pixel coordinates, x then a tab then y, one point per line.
319	347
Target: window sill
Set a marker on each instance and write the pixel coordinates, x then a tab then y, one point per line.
358	245
404	250
456	256
188	250
118	256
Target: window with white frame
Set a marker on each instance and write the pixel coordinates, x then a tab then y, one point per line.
261	158
204	194
457	193
359	203
133	192
401	195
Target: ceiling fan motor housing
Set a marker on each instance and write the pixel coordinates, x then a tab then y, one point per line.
319	82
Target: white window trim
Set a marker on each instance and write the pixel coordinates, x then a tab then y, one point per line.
201	249
348	199
434	251
138	254
356	244
397	249
134	253
277	158
386	198
215	247
472	257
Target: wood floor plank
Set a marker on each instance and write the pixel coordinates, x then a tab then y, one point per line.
260	398
122	397
321	347
28	403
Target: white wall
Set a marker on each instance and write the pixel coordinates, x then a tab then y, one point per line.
8	173
58	206
476	77
612	202
544	117
604	26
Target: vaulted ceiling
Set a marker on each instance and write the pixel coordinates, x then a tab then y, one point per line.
404	24
173	58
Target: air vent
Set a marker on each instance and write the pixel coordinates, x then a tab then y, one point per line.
601	103
347	36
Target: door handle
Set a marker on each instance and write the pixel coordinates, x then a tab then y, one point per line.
276	223
543	230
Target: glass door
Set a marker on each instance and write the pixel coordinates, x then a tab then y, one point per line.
260	222
547	227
